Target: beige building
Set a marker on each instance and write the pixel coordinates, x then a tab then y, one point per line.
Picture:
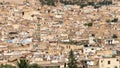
13	1
109	63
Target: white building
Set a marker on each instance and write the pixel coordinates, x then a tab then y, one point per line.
90	50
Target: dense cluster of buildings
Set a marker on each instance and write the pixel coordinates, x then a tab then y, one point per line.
46	34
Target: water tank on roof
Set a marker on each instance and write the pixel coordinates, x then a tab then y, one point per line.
26	41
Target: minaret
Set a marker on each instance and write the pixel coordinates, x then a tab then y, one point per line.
37	31
38	34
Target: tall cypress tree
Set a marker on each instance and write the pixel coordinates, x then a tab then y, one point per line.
23	63
72	63
6	66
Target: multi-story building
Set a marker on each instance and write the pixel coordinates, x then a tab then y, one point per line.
109	63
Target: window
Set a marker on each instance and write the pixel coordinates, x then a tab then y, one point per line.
117	60
108	62
115	67
101	61
92	48
22	13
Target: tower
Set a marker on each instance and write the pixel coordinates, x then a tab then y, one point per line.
37	33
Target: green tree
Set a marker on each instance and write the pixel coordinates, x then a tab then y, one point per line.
48	2
115	20
6	66
23	63
88	24
72	63
114	36
34	66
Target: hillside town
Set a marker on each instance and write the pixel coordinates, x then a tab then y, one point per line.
45	34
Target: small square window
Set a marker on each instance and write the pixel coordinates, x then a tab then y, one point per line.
92	48
117	60
101	61
108	62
